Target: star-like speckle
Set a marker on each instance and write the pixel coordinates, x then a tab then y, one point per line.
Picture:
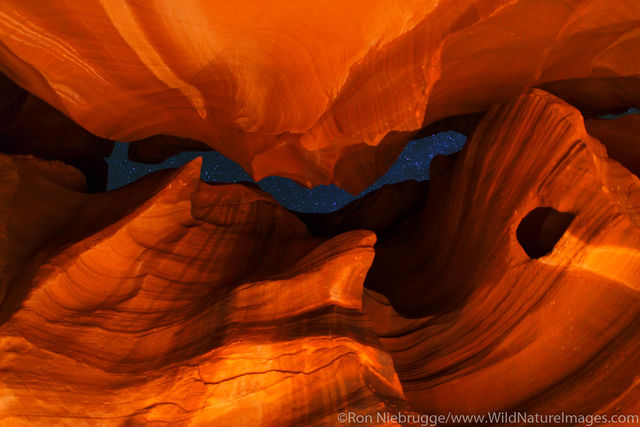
413	163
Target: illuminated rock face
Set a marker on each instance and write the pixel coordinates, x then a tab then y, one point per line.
508	282
522	281
310	93
172	300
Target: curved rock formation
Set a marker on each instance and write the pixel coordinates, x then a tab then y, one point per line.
176	301
30	126
509	282
523	280
514	287
310	93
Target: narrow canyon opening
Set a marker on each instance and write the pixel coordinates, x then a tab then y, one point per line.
413	163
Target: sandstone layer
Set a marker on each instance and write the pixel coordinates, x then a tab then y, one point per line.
175	301
312	93
511	284
519	289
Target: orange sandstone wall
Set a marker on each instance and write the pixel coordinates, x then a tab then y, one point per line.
480	321
176	301
172	300
311	92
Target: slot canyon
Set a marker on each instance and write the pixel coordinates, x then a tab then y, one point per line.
498	284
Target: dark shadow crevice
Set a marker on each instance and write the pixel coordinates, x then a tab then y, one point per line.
541	229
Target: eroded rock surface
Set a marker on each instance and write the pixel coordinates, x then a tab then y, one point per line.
508	282
172	300
513	286
311	93
520	289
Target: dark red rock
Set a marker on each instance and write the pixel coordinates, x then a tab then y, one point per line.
29	125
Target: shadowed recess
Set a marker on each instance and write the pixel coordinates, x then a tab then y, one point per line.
541	229
413	163
615	116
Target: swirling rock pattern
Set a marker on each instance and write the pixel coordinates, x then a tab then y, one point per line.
310	93
176	301
479	325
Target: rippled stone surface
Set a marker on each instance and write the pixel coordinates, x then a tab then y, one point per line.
511	284
172	300
480	322
508	282
311	93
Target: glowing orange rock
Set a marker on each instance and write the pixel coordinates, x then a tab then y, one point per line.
307	92
172	300
175	301
522	283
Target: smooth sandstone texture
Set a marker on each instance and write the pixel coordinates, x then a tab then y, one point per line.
487	327
176	301
311	92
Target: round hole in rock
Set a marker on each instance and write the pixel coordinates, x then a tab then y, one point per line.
540	230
